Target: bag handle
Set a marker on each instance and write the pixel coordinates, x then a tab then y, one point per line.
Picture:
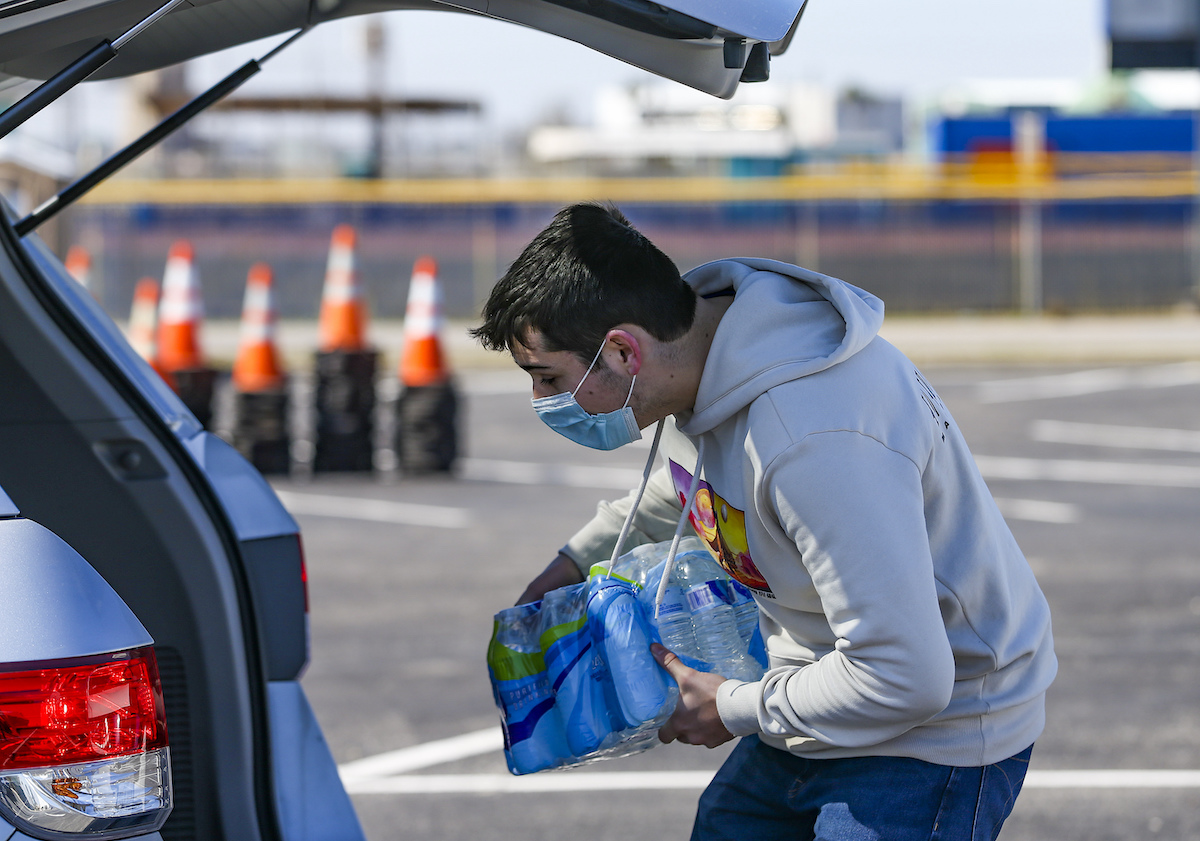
669	567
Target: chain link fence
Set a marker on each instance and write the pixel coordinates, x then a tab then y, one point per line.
920	254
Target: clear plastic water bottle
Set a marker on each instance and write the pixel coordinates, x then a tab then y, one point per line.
673	616
745	613
619	629
641	566
745	608
574	670
717	638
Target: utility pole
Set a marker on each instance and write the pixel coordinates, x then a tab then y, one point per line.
376	69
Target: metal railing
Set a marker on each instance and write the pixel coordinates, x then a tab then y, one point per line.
973	235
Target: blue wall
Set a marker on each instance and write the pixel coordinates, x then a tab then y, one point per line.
1127	133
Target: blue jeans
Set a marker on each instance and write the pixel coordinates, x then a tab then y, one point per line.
762	794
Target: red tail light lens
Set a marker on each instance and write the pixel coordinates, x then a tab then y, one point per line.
303	571
71	712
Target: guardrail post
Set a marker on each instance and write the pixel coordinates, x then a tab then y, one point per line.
1195	255
808	235
1029	136
1029	256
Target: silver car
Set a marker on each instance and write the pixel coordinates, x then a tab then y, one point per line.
153	616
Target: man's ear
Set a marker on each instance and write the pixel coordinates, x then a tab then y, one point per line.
627	351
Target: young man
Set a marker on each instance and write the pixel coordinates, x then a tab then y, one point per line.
909	644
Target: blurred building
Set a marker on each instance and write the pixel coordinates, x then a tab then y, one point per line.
1126	123
661	129
32	171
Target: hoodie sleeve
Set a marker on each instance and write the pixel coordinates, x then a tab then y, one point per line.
655	521
855	511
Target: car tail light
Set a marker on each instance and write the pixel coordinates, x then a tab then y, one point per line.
303	571
83	746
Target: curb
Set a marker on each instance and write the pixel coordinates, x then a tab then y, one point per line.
927	340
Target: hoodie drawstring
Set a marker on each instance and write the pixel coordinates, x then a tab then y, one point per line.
669	566
637	500
693	489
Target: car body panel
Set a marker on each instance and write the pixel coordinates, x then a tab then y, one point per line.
7	507
270	549
69	28
697	63
161	540
49	38
100	326
277	586
311	801
762	20
252	506
56	606
217	618
20	836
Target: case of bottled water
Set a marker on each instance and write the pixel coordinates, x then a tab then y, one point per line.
573	675
574	679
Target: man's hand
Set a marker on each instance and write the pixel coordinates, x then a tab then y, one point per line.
695	720
561	572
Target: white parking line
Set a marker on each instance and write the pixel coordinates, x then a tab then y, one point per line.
385	774
1038	511
491	383
697	780
996	467
374	510
1089	382
1113	779
532	783
425	755
1124	437
531	473
1094	472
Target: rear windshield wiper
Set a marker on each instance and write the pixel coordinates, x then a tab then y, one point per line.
82	185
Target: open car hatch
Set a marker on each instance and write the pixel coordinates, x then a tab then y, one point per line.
706	44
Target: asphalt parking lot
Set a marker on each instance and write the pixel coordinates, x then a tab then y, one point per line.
1097	468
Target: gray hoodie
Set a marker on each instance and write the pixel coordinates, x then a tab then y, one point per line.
900	616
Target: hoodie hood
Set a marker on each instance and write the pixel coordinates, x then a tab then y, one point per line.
785	322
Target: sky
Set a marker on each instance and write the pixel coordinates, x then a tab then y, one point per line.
912	48
915	49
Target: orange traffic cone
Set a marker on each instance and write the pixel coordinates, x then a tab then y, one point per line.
257	367
79	265
143	319
343	323
421	360
180	312
143	323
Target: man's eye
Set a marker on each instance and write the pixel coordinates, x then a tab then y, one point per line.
547	381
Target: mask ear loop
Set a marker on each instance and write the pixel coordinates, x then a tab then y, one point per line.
579	385
669	566
625	529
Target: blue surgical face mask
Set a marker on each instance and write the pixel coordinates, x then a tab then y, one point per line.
606	431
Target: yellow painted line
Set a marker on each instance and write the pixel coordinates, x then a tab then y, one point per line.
850	186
